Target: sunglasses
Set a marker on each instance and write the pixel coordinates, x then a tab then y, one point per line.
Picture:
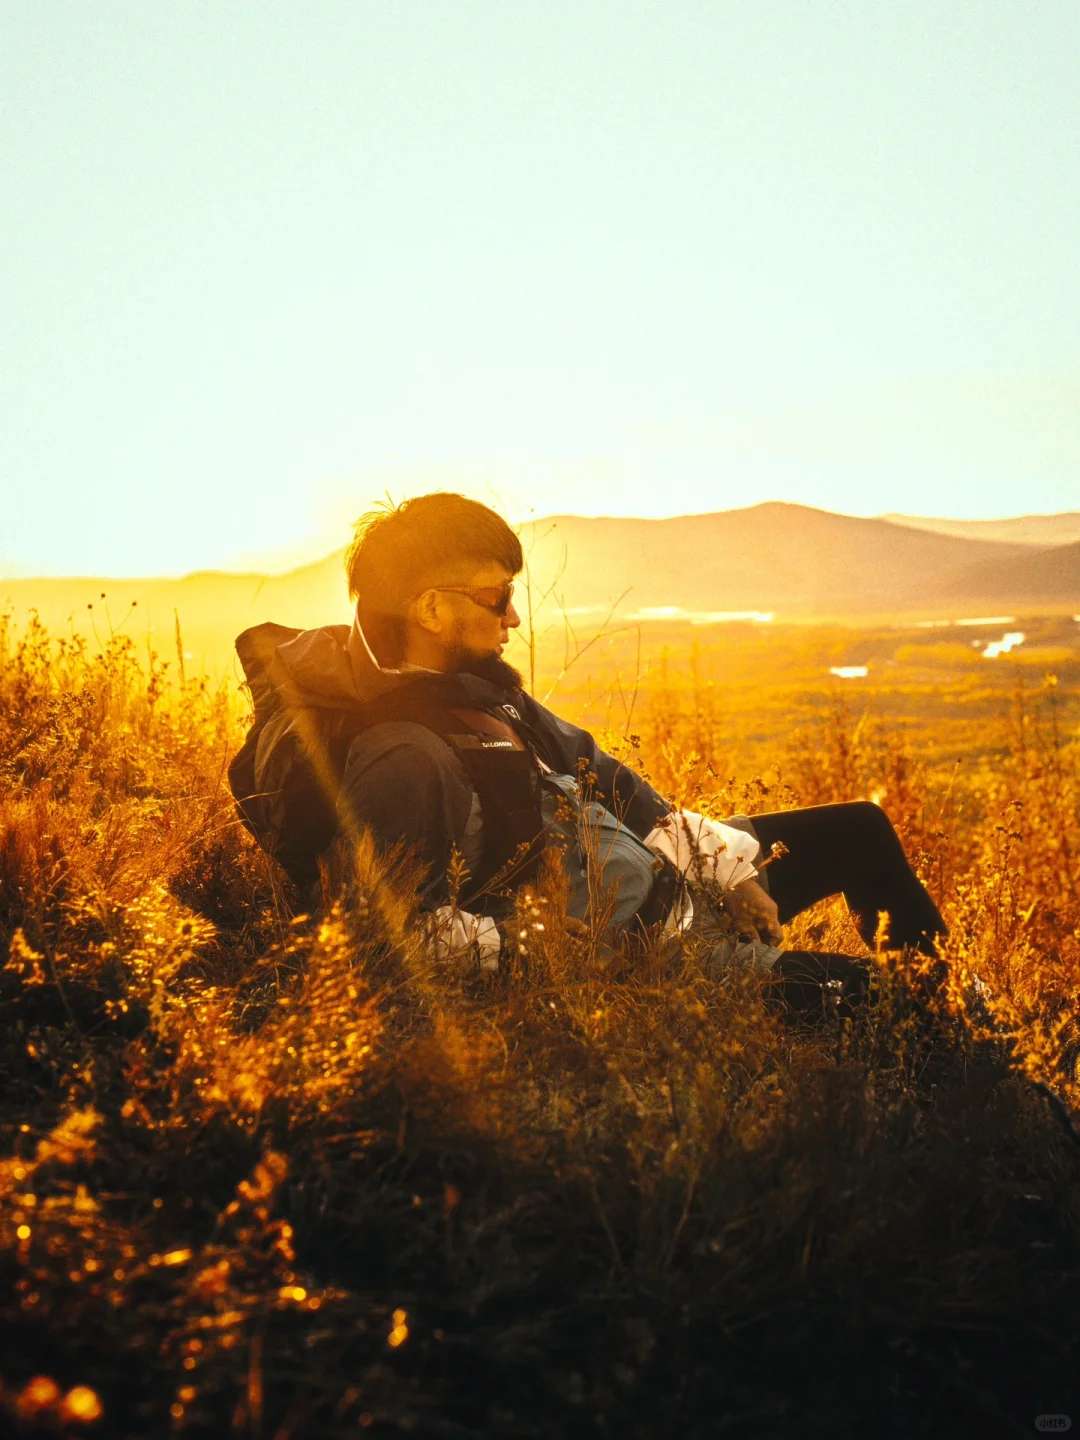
495	598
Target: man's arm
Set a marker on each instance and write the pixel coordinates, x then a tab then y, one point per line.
568	749
402	784
698	848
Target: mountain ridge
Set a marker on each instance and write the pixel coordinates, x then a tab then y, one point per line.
795	561
778	556
1061	528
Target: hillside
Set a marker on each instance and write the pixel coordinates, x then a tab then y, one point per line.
267	1174
1046	577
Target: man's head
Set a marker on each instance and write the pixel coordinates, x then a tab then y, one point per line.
431	578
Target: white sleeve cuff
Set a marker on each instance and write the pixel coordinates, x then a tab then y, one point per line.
458	935
705	850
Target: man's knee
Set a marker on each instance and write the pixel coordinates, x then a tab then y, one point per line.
870	817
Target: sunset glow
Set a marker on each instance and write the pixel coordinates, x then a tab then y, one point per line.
264	263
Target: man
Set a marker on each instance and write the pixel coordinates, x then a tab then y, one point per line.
410	725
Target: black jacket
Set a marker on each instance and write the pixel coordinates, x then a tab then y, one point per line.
398	779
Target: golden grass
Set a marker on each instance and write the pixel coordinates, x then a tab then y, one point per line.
267	1175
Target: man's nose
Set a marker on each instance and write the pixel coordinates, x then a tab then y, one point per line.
511	619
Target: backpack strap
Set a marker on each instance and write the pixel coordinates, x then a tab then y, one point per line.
504	773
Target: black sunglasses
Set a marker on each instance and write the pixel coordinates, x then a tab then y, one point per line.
495	598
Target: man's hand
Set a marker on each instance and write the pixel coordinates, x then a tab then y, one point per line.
753	913
471	939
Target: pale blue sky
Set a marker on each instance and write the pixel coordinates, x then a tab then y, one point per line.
263	261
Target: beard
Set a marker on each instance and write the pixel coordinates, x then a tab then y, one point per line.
492	668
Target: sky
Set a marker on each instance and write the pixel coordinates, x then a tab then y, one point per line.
264	263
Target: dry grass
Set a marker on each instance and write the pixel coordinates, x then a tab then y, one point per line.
270	1176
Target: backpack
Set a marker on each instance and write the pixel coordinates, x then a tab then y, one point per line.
286	774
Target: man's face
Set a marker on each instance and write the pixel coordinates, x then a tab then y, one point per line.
473	631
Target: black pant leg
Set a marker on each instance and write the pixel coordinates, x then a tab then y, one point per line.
816	984
853	850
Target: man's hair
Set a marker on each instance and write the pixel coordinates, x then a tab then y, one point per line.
399	550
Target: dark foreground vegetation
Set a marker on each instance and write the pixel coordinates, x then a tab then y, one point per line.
270	1176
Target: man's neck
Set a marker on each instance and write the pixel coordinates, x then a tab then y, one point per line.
419	656
492	668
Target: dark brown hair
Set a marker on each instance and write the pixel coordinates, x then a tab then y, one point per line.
399	550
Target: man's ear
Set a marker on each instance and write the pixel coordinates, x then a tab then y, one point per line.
425	609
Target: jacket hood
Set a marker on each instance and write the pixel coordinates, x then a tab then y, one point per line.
333	666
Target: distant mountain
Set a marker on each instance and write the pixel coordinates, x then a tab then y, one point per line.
788	559
212	606
1047	577
1061	529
